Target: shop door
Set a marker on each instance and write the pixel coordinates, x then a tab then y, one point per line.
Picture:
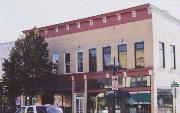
79	103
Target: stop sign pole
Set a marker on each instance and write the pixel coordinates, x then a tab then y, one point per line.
175	85
114	83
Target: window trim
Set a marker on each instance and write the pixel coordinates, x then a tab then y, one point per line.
163	50
65	63
174	56
57	62
103	56
96	59
77	61
135	53
119	56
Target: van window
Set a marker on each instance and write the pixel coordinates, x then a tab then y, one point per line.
30	110
41	109
21	110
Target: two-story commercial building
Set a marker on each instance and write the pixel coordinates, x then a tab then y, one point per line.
142	39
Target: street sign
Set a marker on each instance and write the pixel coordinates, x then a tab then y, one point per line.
174	84
114	82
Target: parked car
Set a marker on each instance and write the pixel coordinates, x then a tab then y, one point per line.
39	109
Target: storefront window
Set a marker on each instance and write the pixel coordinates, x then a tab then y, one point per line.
122	55
165	101
138	81
92	60
139	54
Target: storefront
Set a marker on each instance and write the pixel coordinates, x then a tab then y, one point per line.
165	101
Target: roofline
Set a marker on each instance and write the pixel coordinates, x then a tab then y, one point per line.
94	17
7	42
165	13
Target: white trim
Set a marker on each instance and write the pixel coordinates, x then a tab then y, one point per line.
133	13
57	29
91	23
149	10
67	27
104	19
45	32
78	25
80	98
77	61
65	63
118	16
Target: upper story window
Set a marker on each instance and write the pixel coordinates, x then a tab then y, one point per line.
172	57
122	55
139	54
78	25
91	22
55	60
138	81
79	61
104	19
161	55
67	62
57	29
133	13
67	27
92	60
118	16
106	57
46	32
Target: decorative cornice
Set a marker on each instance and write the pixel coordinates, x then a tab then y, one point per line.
100	21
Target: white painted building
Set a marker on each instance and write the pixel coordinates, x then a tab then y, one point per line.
166	33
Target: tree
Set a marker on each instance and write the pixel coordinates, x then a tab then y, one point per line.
28	68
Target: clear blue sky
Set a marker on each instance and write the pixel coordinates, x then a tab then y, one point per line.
19	15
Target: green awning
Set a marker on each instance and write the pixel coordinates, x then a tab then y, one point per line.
139	98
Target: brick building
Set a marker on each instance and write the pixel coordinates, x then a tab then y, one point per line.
143	39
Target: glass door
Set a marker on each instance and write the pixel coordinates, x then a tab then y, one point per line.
79	103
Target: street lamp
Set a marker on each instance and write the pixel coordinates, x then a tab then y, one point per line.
175	85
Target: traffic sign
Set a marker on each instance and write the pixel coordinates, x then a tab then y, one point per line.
114	82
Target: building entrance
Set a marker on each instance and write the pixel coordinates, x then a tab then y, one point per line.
79	103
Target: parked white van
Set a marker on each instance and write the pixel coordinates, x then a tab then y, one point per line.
39	109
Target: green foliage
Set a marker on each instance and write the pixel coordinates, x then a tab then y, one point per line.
28	68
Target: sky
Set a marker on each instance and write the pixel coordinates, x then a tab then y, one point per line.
19	15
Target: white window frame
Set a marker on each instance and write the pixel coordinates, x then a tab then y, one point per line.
118	16
67	27
149	10
78	25
77	62
91	23
58	60
65	63
57	29
133	13
46	32
79	96
104	19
